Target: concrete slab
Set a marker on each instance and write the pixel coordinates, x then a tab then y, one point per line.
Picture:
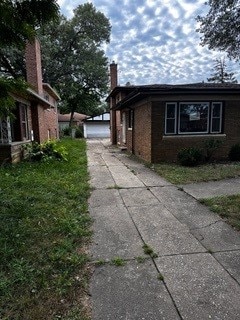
124	178
231	262
111	160
114	234
218	236
131	292
150	178
163	232
138	197
101	177
200	287
95	159
184	207
105	197
213	188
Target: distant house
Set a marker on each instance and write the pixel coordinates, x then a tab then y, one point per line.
64	119
97	126
155	122
35	113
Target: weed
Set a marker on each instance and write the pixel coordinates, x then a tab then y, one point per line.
140	259
100	262
119	262
114	187
149	251
160	277
210	251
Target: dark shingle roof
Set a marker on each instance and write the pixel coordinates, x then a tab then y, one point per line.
136	93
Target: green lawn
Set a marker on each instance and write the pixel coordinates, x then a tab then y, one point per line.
228	207
44	229
178	174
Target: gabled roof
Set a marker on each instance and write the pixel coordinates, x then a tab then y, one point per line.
51	91
136	93
76	117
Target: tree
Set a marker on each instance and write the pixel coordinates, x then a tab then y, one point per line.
220	27
73	61
18	23
220	74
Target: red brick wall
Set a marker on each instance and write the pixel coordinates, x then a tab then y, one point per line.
142	131
167	148
147	140
34	65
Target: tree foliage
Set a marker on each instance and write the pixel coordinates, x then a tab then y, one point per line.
18	22
19	18
221	27
73	59
221	74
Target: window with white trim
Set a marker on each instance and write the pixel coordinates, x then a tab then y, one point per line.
193	118
216	117
170	118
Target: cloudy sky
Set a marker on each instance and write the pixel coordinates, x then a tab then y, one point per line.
155	41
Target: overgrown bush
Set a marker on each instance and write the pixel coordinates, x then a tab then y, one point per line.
234	153
66	131
45	151
210	147
190	157
79	132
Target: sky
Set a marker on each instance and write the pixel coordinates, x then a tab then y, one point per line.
155	41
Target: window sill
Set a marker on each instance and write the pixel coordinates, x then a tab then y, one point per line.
185	136
15	143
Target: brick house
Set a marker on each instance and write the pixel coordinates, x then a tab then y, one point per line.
35	115
155	122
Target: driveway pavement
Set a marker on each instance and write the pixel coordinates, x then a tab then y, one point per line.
195	270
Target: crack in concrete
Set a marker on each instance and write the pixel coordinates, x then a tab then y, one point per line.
208	225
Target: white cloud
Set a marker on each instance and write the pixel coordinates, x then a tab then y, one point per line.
155	41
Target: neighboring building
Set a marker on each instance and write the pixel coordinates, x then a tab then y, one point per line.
97	126
157	121
64	120
35	115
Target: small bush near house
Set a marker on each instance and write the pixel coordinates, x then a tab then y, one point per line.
210	146
79	133
67	131
234	153
190	157
49	150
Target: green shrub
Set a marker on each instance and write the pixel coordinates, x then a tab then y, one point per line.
79	132
210	147
190	157
234	153
67	131
48	150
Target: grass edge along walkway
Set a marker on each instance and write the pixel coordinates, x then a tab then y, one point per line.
44	229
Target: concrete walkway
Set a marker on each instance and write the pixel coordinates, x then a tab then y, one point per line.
196	274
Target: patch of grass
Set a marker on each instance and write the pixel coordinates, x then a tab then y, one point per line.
44	229
100	262
160	277
178	174
140	259
228	207
114	187
149	251
119	262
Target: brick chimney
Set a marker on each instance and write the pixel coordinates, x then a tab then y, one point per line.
34	65
113	75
